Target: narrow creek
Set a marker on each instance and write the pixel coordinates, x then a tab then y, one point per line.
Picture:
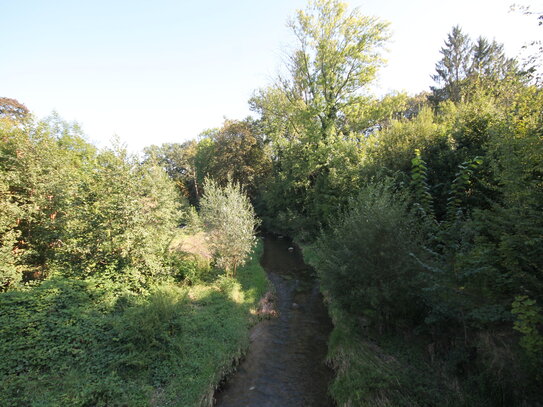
284	366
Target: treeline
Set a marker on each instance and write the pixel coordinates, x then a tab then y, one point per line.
426	211
71	209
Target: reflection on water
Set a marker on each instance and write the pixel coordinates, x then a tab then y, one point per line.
284	365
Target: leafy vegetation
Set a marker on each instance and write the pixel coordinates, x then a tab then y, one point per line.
366	260
230	221
97	306
95	342
423	214
430	266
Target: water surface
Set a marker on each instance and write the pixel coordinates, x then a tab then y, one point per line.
284	366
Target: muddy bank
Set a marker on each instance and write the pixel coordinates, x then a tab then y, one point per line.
284	365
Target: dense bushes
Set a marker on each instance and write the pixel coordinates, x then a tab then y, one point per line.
80	211
458	242
126	218
96	307
367	260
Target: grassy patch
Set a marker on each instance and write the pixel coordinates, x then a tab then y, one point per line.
386	371
93	343
192	243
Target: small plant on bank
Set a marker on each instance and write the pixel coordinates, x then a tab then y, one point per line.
230	222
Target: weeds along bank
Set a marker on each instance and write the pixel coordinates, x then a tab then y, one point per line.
374	368
411	329
95	342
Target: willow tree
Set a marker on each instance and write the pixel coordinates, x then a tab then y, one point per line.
230	223
309	110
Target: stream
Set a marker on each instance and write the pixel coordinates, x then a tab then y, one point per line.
284	366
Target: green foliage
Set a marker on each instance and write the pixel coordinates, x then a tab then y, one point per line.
310	113
459	187
420	185
467	66
126	219
365	260
337	54
382	370
93	342
192	270
529	317
10	273
49	332
507	245
230	223
68	207
239	153
179	162
446	283
455	64
392	147
479	246
456	291
390	374
311	183
39	172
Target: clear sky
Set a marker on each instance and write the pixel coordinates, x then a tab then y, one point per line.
164	70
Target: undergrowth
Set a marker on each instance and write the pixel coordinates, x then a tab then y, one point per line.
68	342
373	370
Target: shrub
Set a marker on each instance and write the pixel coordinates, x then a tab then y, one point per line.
230	221
365	260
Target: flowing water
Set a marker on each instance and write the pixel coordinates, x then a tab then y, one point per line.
284	366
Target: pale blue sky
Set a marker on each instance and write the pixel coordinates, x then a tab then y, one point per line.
164	70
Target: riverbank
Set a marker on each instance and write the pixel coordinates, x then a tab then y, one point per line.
374	369
79	343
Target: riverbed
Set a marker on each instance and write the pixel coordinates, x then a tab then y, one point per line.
284	366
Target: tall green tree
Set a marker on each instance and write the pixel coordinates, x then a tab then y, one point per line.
238	152
309	112
337	54
467	67
489	60
454	65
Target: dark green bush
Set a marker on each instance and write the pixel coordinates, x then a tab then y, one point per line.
366	259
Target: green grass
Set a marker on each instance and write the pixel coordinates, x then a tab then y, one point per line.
384	371
69	342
